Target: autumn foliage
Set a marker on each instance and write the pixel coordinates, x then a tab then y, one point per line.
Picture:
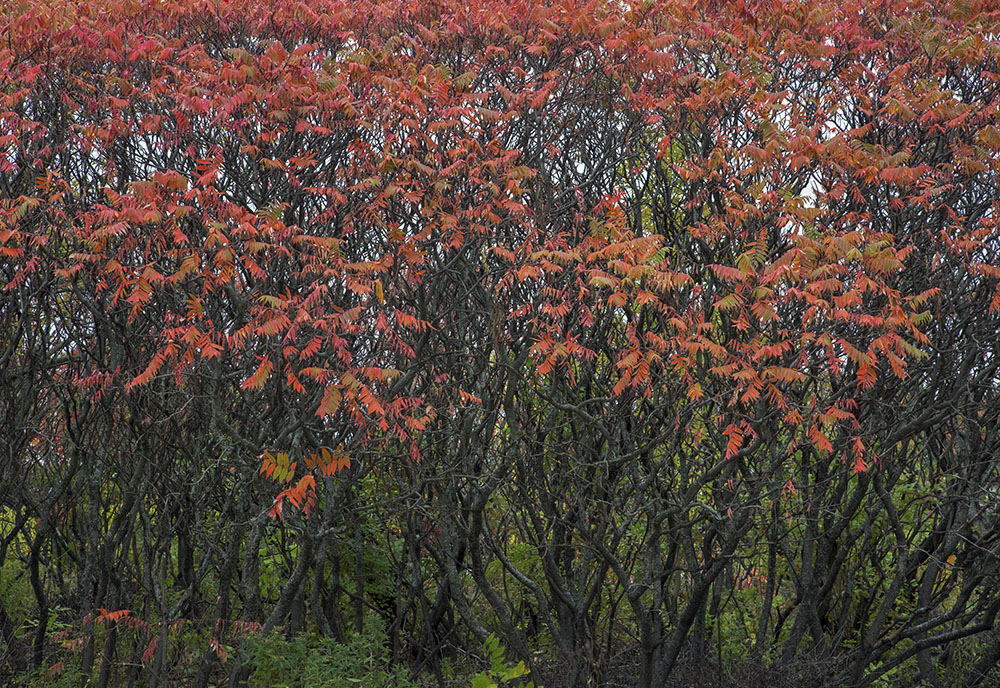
642	335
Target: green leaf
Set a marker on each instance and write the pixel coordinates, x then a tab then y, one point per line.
516	671
482	680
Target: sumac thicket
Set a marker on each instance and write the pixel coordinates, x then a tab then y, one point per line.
643	336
